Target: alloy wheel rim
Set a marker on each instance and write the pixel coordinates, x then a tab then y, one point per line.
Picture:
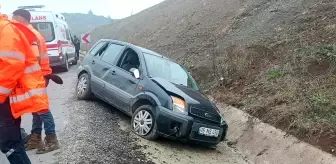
82	85
143	123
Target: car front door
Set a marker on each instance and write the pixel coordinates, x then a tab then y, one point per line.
123	80
109	57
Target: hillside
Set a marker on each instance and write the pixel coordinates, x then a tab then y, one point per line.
82	23
273	59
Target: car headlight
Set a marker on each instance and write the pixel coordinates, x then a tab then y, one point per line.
179	105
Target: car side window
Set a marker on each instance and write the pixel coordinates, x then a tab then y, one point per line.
129	60
111	53
101	51
97	48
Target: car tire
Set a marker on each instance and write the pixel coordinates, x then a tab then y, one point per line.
65	67
138	123
83	87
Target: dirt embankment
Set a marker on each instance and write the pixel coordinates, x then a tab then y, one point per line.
273	59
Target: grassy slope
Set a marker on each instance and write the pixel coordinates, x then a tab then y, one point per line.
274	59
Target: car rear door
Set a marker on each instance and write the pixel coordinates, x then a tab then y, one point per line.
99	68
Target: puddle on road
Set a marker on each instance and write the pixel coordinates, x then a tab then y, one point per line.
165	151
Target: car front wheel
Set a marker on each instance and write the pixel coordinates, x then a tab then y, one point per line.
144	123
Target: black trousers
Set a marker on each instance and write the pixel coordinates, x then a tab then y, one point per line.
77	54
11	143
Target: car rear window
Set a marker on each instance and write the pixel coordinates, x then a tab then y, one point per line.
46	29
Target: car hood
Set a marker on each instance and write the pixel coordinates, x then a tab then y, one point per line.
192	97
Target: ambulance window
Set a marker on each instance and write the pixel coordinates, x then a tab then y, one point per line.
46	29
67	34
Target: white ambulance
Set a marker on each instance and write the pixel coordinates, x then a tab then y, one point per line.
54	28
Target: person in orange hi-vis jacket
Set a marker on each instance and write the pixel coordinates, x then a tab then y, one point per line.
34	140
22	86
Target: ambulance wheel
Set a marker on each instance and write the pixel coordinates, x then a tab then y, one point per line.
65	66
75	61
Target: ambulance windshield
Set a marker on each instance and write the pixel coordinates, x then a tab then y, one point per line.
46	29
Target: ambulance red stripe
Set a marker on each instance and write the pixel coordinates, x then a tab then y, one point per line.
55	46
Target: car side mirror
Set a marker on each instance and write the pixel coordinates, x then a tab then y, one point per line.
135	72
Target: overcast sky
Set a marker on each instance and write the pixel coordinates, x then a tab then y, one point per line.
115	8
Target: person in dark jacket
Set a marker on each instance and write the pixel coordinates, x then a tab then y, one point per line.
77	46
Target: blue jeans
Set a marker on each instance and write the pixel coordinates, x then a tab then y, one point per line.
11	143
24	135
45	118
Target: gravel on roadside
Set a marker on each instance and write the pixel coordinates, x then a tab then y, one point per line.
92	135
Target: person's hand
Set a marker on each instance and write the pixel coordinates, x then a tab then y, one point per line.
46	79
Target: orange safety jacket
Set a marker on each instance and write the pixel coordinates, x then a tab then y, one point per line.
21	79
42	52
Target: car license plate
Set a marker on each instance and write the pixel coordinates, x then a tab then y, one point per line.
208	132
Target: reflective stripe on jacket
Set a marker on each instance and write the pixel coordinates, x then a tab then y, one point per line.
43	52
21	79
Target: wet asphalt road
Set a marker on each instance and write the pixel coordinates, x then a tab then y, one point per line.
94	132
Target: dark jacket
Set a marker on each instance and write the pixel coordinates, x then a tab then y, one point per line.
77	43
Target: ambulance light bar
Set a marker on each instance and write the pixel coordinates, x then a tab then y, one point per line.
31	7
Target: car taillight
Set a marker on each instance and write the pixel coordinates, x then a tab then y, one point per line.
59	46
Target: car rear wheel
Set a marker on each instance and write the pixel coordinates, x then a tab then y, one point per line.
144	123
83	88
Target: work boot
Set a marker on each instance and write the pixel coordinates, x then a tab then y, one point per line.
34	142
50	144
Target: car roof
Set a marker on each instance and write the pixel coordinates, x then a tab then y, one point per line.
143	50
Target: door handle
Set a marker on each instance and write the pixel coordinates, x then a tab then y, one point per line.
93	62
113	72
